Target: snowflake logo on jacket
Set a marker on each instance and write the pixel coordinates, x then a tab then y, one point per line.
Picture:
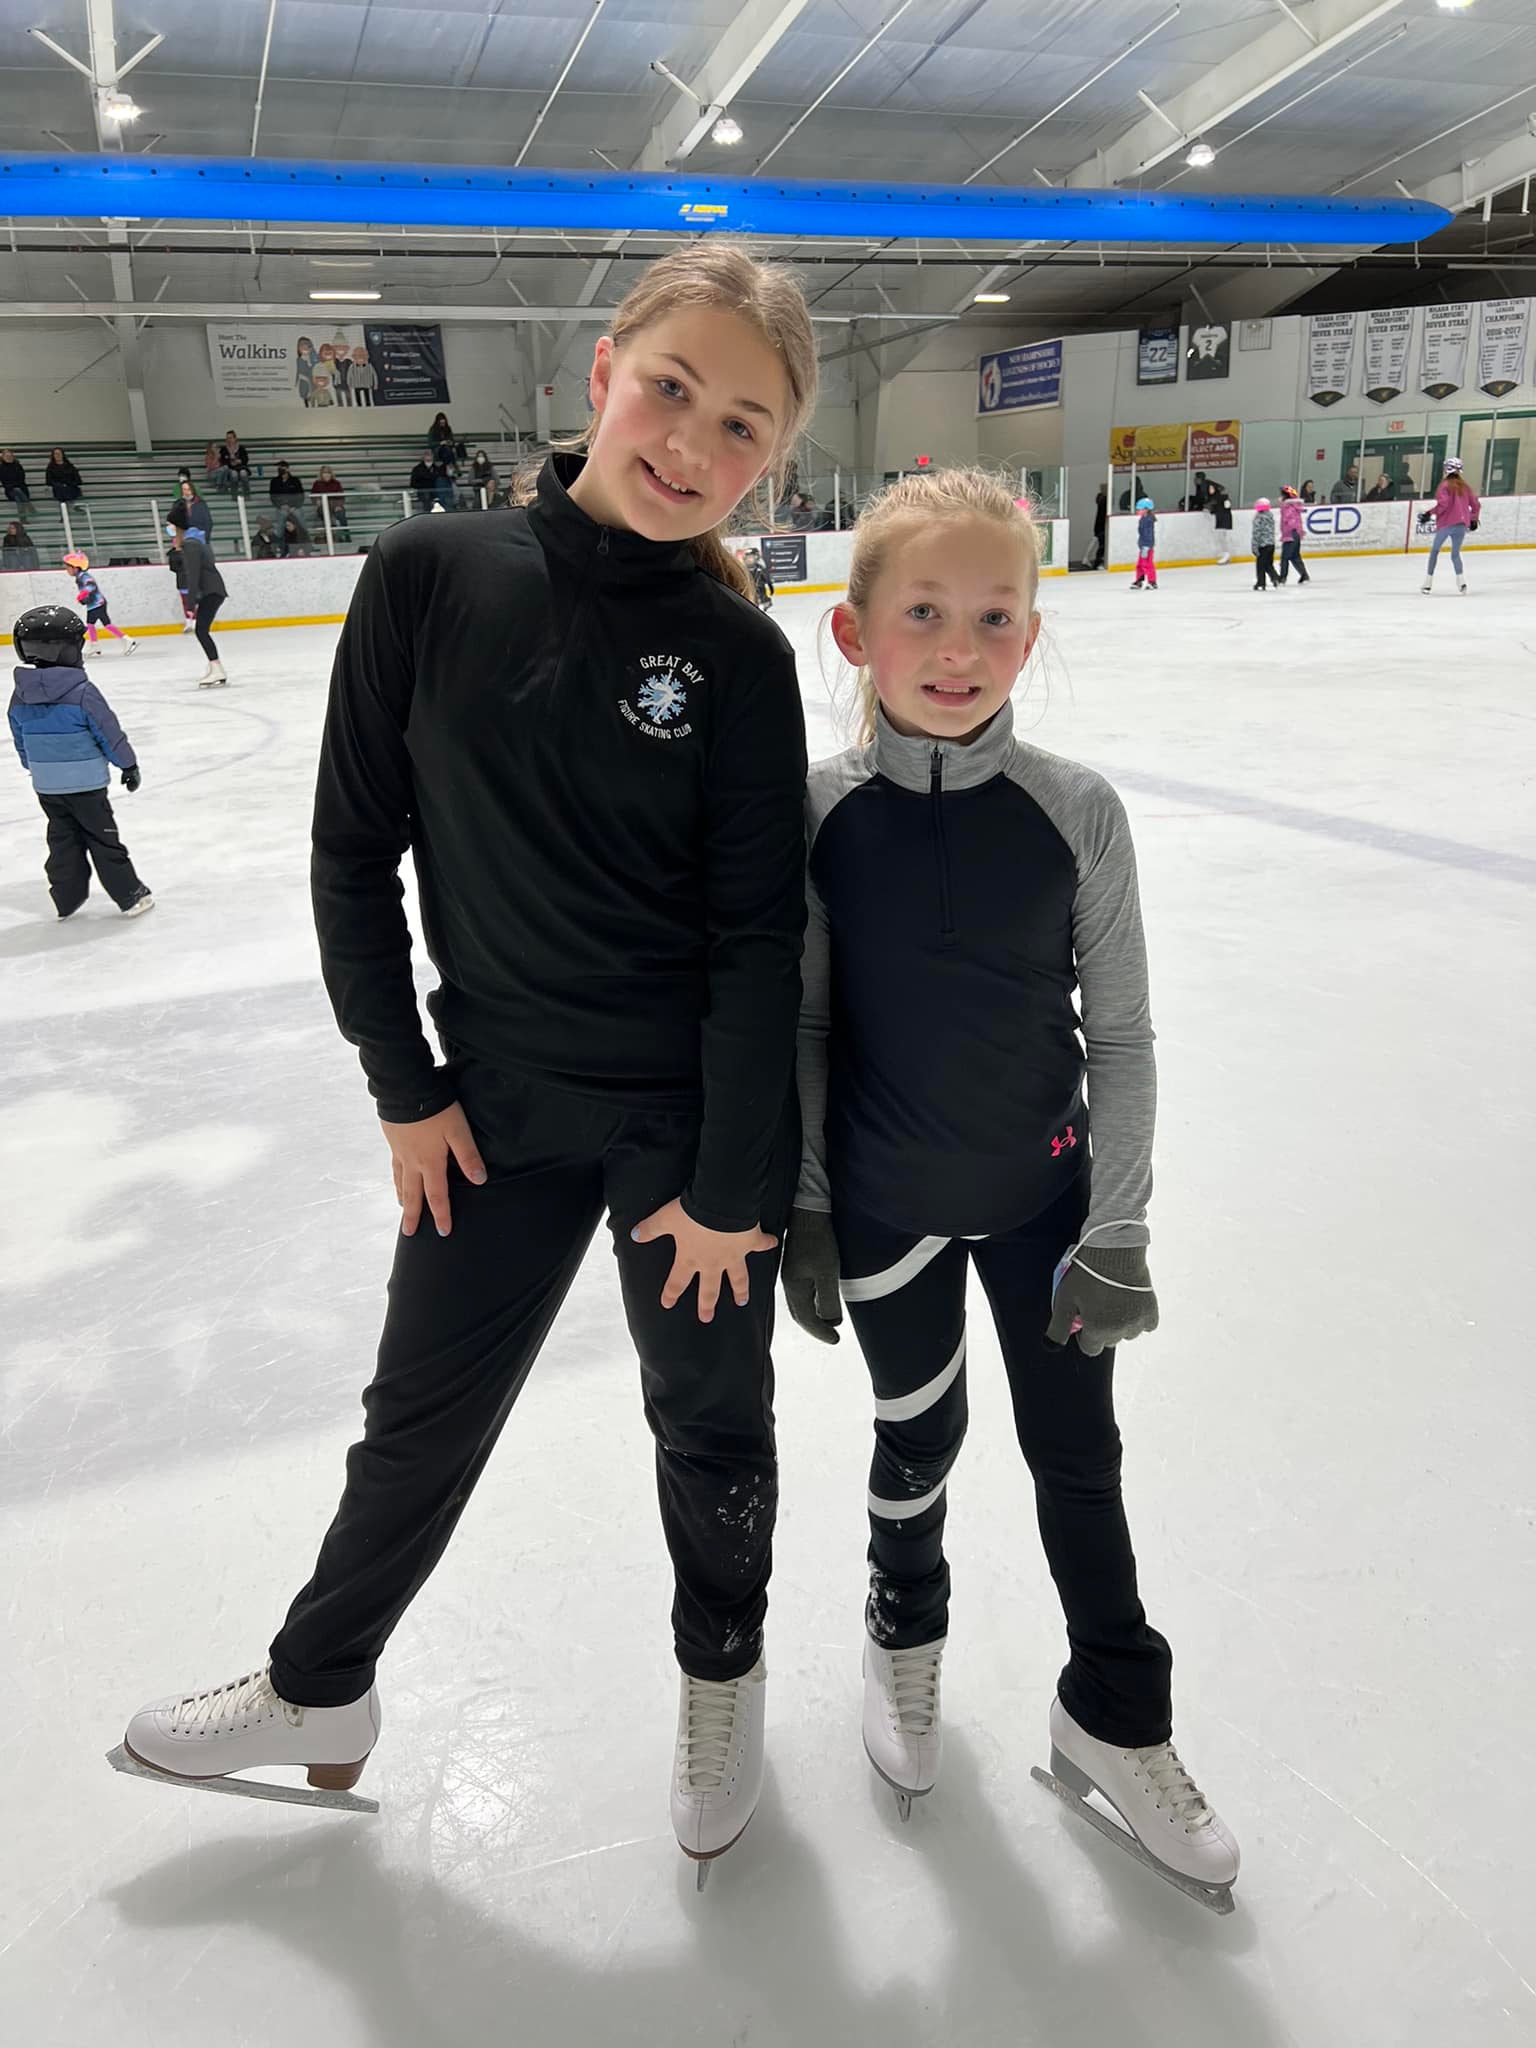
662	698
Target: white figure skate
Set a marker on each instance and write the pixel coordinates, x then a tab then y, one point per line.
198	1739
903	1733
214	679
1169	1825
717	1771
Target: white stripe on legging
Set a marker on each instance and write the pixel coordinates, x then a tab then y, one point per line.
903	1510
906	1406
906	1268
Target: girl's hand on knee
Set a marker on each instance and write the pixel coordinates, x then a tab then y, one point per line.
708	1256
420	1154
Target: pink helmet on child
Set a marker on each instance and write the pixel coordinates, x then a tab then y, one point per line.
1261	504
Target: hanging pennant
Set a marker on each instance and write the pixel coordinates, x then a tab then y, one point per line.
1330	356
1443	349
1501	345
1388	333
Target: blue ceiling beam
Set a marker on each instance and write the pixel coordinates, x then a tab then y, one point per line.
446	195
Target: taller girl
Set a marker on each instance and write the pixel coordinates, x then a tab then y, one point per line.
592	744
1456	509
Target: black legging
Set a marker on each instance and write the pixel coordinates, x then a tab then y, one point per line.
207	610
468	1314
906	1298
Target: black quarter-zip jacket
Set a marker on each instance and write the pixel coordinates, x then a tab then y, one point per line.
595	753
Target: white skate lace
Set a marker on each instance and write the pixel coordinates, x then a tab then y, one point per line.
251	1694
1174	1787
709	1724
914	1688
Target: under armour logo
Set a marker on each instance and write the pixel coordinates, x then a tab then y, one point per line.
1065	1143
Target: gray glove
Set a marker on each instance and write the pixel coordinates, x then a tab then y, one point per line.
809	1273
1104	1297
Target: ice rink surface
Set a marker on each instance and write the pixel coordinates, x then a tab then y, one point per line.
1328	1443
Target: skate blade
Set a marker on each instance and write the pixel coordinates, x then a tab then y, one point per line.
904	1794
244	1788
704	1861
1218	1897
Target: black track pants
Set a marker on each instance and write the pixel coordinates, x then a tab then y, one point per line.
82	830
466	1319
203	618
1264	566
906	1297
1290	557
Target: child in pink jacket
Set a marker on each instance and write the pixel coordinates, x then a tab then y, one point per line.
1457	510
1292	515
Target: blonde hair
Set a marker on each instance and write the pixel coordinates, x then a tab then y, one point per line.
766	295
914	502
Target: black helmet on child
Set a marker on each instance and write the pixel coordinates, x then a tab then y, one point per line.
49	636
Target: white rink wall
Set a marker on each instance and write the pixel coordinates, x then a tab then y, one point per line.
318	591
1185	539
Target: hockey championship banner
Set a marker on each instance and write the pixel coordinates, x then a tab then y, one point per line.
1330	356
326	364
1443	350
1157	355
1501	345
1388	336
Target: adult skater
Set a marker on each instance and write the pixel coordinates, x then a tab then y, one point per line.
1219	505
1262	540
942	1091
1292	527
610	852
1456	511
202	589
69	740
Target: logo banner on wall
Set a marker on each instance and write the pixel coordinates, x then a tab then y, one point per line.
784	557
1149	447
1388	333
1157	355
1443	349
1501	345
1210	350
1203	444
1019	379
1330	356
325	365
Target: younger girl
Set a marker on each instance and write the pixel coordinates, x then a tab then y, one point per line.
1457	508
1146	545
942	1083
575	718
88	592
1262	541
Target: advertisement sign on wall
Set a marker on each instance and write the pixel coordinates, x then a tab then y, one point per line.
1157	355
326	365
1019	379
784	557
1213	444
1203	444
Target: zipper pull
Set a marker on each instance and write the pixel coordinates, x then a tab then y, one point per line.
935	771
602	540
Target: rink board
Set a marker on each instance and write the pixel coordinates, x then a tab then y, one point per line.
1188	540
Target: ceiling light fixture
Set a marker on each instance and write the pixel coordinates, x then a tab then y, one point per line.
1454	6
725	131
991	298
345	295
117	106
1201	156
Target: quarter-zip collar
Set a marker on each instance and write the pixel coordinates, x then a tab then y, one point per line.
909	763
611	552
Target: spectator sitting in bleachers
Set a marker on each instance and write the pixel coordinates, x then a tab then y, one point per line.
442	436
285	485
482	473
445	478
235	464
215	476
423	483
264	540
16	549
328	485
13	481
63	479
293	537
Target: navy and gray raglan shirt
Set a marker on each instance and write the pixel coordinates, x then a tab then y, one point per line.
974	975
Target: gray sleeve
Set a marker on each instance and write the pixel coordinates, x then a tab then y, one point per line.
814	1191
1112	977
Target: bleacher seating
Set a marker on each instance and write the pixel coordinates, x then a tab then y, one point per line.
114	520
